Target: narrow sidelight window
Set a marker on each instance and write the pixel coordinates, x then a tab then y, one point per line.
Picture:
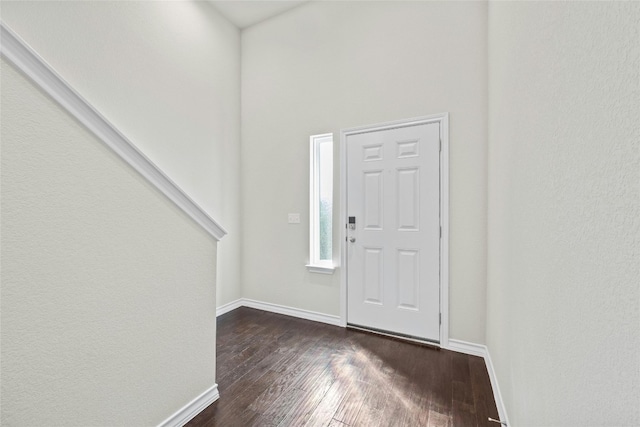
321	203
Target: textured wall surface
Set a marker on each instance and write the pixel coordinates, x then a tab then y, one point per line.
328	66
166	74
563	312
108	289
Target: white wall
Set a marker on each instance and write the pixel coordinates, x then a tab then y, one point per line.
326	66
563	312
166	74
108	289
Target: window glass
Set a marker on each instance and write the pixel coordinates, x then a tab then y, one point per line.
321	201
325	166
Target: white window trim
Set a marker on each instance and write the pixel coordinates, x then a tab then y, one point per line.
315	264
320	269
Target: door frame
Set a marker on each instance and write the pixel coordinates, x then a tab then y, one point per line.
443	120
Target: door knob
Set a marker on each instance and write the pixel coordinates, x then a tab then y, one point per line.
352	239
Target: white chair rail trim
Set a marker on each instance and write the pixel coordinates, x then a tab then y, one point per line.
25	59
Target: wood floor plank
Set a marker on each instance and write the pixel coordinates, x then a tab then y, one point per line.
347	411
437	419
482	392
290	369
275	370
300	413
283	406
442	392
463	407
416	410
323	413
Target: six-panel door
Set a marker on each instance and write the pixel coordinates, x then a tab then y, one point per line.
393	263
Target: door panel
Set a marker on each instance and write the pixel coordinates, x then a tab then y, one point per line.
408	199
372	195
393	264
408	279
373	278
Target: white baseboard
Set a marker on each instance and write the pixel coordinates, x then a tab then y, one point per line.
467	348
502	411
280	309
193	408
482	351
228	307
294	312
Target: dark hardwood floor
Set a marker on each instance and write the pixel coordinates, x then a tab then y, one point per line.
275	370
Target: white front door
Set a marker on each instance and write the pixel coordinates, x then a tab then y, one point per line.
393	250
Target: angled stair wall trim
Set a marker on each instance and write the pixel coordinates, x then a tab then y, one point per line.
25	59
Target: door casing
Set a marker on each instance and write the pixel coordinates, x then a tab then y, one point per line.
443	120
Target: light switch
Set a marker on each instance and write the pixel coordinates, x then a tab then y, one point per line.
294	218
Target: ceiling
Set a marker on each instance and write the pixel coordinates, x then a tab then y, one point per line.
244	13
